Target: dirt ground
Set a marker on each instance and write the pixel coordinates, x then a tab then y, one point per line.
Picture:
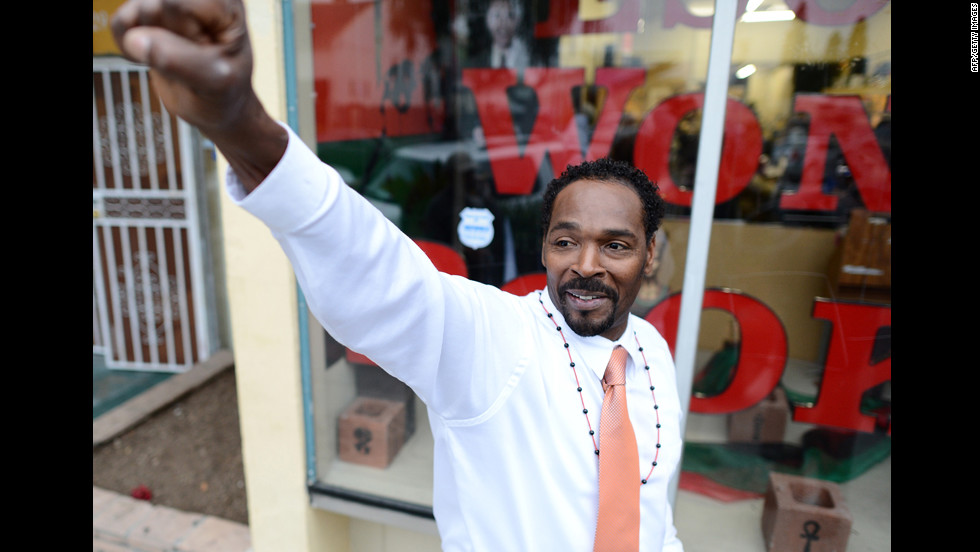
188	454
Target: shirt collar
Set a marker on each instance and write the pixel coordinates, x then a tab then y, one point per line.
595	346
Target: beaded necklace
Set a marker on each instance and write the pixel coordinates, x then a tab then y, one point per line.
585	411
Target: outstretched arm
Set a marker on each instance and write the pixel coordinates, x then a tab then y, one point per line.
200	61
367	283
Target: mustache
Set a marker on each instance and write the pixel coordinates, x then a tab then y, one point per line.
589	284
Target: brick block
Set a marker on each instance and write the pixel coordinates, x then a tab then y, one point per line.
801	513
763	423
372	381
371	431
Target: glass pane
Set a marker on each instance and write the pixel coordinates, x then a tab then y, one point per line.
794	350
451	118
455	144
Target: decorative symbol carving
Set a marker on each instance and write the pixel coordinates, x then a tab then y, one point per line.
156	301
145	138
810	530
363	437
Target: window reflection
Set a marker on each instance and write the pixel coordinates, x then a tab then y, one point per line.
452	116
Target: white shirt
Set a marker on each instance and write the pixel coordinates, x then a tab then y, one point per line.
514	465
514	56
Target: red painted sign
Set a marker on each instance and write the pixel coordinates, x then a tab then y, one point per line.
848	373
394	96
554	132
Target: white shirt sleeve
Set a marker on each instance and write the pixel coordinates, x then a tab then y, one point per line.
377	293
671	542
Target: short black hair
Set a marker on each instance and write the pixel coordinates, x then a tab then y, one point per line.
609	170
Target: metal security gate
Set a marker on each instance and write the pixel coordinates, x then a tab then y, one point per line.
149	299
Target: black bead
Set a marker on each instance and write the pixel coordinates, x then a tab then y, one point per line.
658	445
641	349
646	367
643	481
651	388
585	411
550	315
655	407
579	389
658	426
597	451
566	345
591	432
558	328
654	463
572	364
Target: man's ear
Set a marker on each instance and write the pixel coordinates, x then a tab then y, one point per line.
651	256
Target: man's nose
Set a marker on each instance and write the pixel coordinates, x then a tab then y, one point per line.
588	263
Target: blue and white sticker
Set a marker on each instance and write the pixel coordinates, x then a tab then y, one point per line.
475	227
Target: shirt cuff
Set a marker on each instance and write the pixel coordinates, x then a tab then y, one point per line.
297	189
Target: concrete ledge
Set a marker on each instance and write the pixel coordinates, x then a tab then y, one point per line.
135	410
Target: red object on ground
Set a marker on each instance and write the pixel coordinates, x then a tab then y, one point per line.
141	493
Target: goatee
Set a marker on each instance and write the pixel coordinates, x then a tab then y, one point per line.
583	325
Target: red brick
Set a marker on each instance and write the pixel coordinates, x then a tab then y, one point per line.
801	511
763	423
371	431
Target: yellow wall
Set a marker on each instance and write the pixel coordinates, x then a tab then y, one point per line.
102	41
261	289
263	309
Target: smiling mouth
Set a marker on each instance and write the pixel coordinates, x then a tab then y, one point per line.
585	301
587	294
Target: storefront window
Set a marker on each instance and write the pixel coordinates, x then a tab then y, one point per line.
794	368
451	117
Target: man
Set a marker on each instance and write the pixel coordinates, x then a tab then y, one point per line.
521	391
506	49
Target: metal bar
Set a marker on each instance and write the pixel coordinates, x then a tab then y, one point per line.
152	194
148	132
702	211
149	311
96	331
134	330
168	149
110	117
97	143
168	317
134	154
100	319
185	321
99	291
119	349
141	223
115	64
185	135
